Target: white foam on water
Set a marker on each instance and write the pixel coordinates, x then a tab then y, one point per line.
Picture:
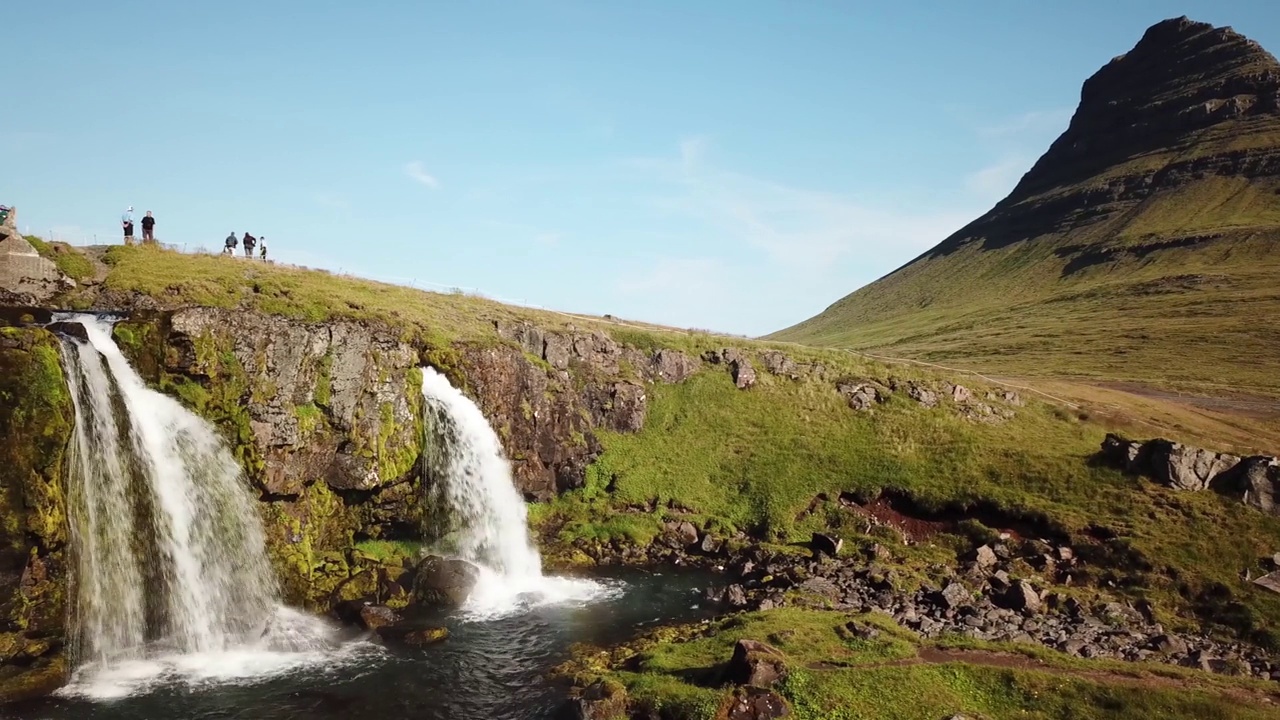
294	643
471	479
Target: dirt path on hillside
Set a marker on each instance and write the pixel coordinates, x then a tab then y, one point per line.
1252	406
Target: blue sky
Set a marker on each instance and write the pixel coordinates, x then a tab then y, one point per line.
735	166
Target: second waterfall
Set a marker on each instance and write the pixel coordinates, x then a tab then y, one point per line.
485	520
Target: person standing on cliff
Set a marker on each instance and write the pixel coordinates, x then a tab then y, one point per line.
229	247
262	248
249	241
148	229
126	222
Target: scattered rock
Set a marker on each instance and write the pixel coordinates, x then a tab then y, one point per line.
757	664
826	544
444	582
600	701
754	704
685	533
1170	644
710	545
1021	596
960	393
778	364
735	596
673	366
1270	581
861	396
922	395
985	557
955	595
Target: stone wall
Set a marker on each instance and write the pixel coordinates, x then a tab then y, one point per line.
25	277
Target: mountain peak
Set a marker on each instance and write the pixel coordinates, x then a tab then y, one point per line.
1162	195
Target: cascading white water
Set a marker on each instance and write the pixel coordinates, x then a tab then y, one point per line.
470	480
170	569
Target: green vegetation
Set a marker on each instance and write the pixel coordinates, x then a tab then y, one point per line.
834	675
756	460
389	552
303	294
70	262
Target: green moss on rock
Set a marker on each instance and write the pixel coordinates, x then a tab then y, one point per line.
36	420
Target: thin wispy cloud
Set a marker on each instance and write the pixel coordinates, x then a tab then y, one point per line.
1034	123
417	172
800	228
996	180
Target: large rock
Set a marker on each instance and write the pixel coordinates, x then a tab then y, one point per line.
1020	596
757	664
1187	468
444	582
1257	481
824	544
744	376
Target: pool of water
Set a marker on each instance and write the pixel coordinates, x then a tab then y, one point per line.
490	667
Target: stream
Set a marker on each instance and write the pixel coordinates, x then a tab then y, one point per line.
489	668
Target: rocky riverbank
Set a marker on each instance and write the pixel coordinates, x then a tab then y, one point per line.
1016	591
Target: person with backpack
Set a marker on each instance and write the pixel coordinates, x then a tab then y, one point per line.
249	242
148	229
229	247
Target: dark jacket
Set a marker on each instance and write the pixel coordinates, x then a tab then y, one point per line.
148	223
231	240
249	240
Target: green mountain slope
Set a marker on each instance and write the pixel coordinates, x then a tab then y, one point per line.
1144	245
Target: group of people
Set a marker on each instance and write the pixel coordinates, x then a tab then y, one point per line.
148	227
249	241
149	235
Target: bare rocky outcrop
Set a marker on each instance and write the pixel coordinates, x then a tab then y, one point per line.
1254	480
25	277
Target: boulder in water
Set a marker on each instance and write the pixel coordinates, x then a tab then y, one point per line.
426	636
444	582
373	617
69	329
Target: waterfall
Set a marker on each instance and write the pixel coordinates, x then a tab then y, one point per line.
169	571
471	483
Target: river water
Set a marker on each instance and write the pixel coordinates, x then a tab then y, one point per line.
490	668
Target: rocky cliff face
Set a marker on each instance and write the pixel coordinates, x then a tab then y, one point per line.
326	418
36	419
